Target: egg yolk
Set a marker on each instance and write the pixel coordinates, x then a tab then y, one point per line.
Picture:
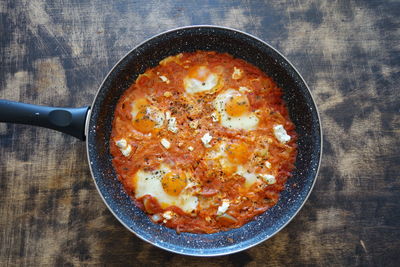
238	153
173	183
199	73
237	105
142	121
141	103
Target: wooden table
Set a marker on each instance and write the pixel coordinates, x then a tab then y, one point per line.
58	54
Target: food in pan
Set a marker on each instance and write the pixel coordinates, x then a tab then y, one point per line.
203	142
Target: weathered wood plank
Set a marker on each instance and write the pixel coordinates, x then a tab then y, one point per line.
57	53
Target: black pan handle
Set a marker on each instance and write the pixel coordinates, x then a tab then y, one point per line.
67	120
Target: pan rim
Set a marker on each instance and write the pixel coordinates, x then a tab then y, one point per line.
232	250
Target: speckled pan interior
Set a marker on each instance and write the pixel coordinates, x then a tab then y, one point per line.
302	111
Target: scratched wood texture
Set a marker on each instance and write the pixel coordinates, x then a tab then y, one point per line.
58	52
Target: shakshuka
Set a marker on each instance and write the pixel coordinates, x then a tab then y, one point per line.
203	142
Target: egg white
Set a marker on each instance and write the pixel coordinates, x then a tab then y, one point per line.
248	121
193	86
149	183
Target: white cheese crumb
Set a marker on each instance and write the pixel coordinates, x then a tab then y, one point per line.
168	115
269	179
190	148
281	134
194	124
126	151
244	89
164	79
156	217
124	147
206	139
121	143
224	207
268	164
172	125
237	73
165	143
214	117
167	94
168	215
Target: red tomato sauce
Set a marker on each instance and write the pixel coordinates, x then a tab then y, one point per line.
216	180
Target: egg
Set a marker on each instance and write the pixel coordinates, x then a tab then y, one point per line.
233	159
233	110
145	117
238	153
200	79
170	187
253	177
218	154
230	156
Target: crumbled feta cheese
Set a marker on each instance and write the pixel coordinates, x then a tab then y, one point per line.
214	117
269	179
172	125
126	151
224	207
168	215
190	148
244	89
156	217
268	164
168	115
167	94
206	139
164	79
171	122
194	124
280	134
237	73
121	143
165	143
124	147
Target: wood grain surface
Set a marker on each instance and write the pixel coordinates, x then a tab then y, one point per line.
58	52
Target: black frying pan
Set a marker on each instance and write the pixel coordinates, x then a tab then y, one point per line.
94	124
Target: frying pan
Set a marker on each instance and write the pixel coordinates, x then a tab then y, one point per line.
94	124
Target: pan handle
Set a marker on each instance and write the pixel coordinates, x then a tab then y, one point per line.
67	120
